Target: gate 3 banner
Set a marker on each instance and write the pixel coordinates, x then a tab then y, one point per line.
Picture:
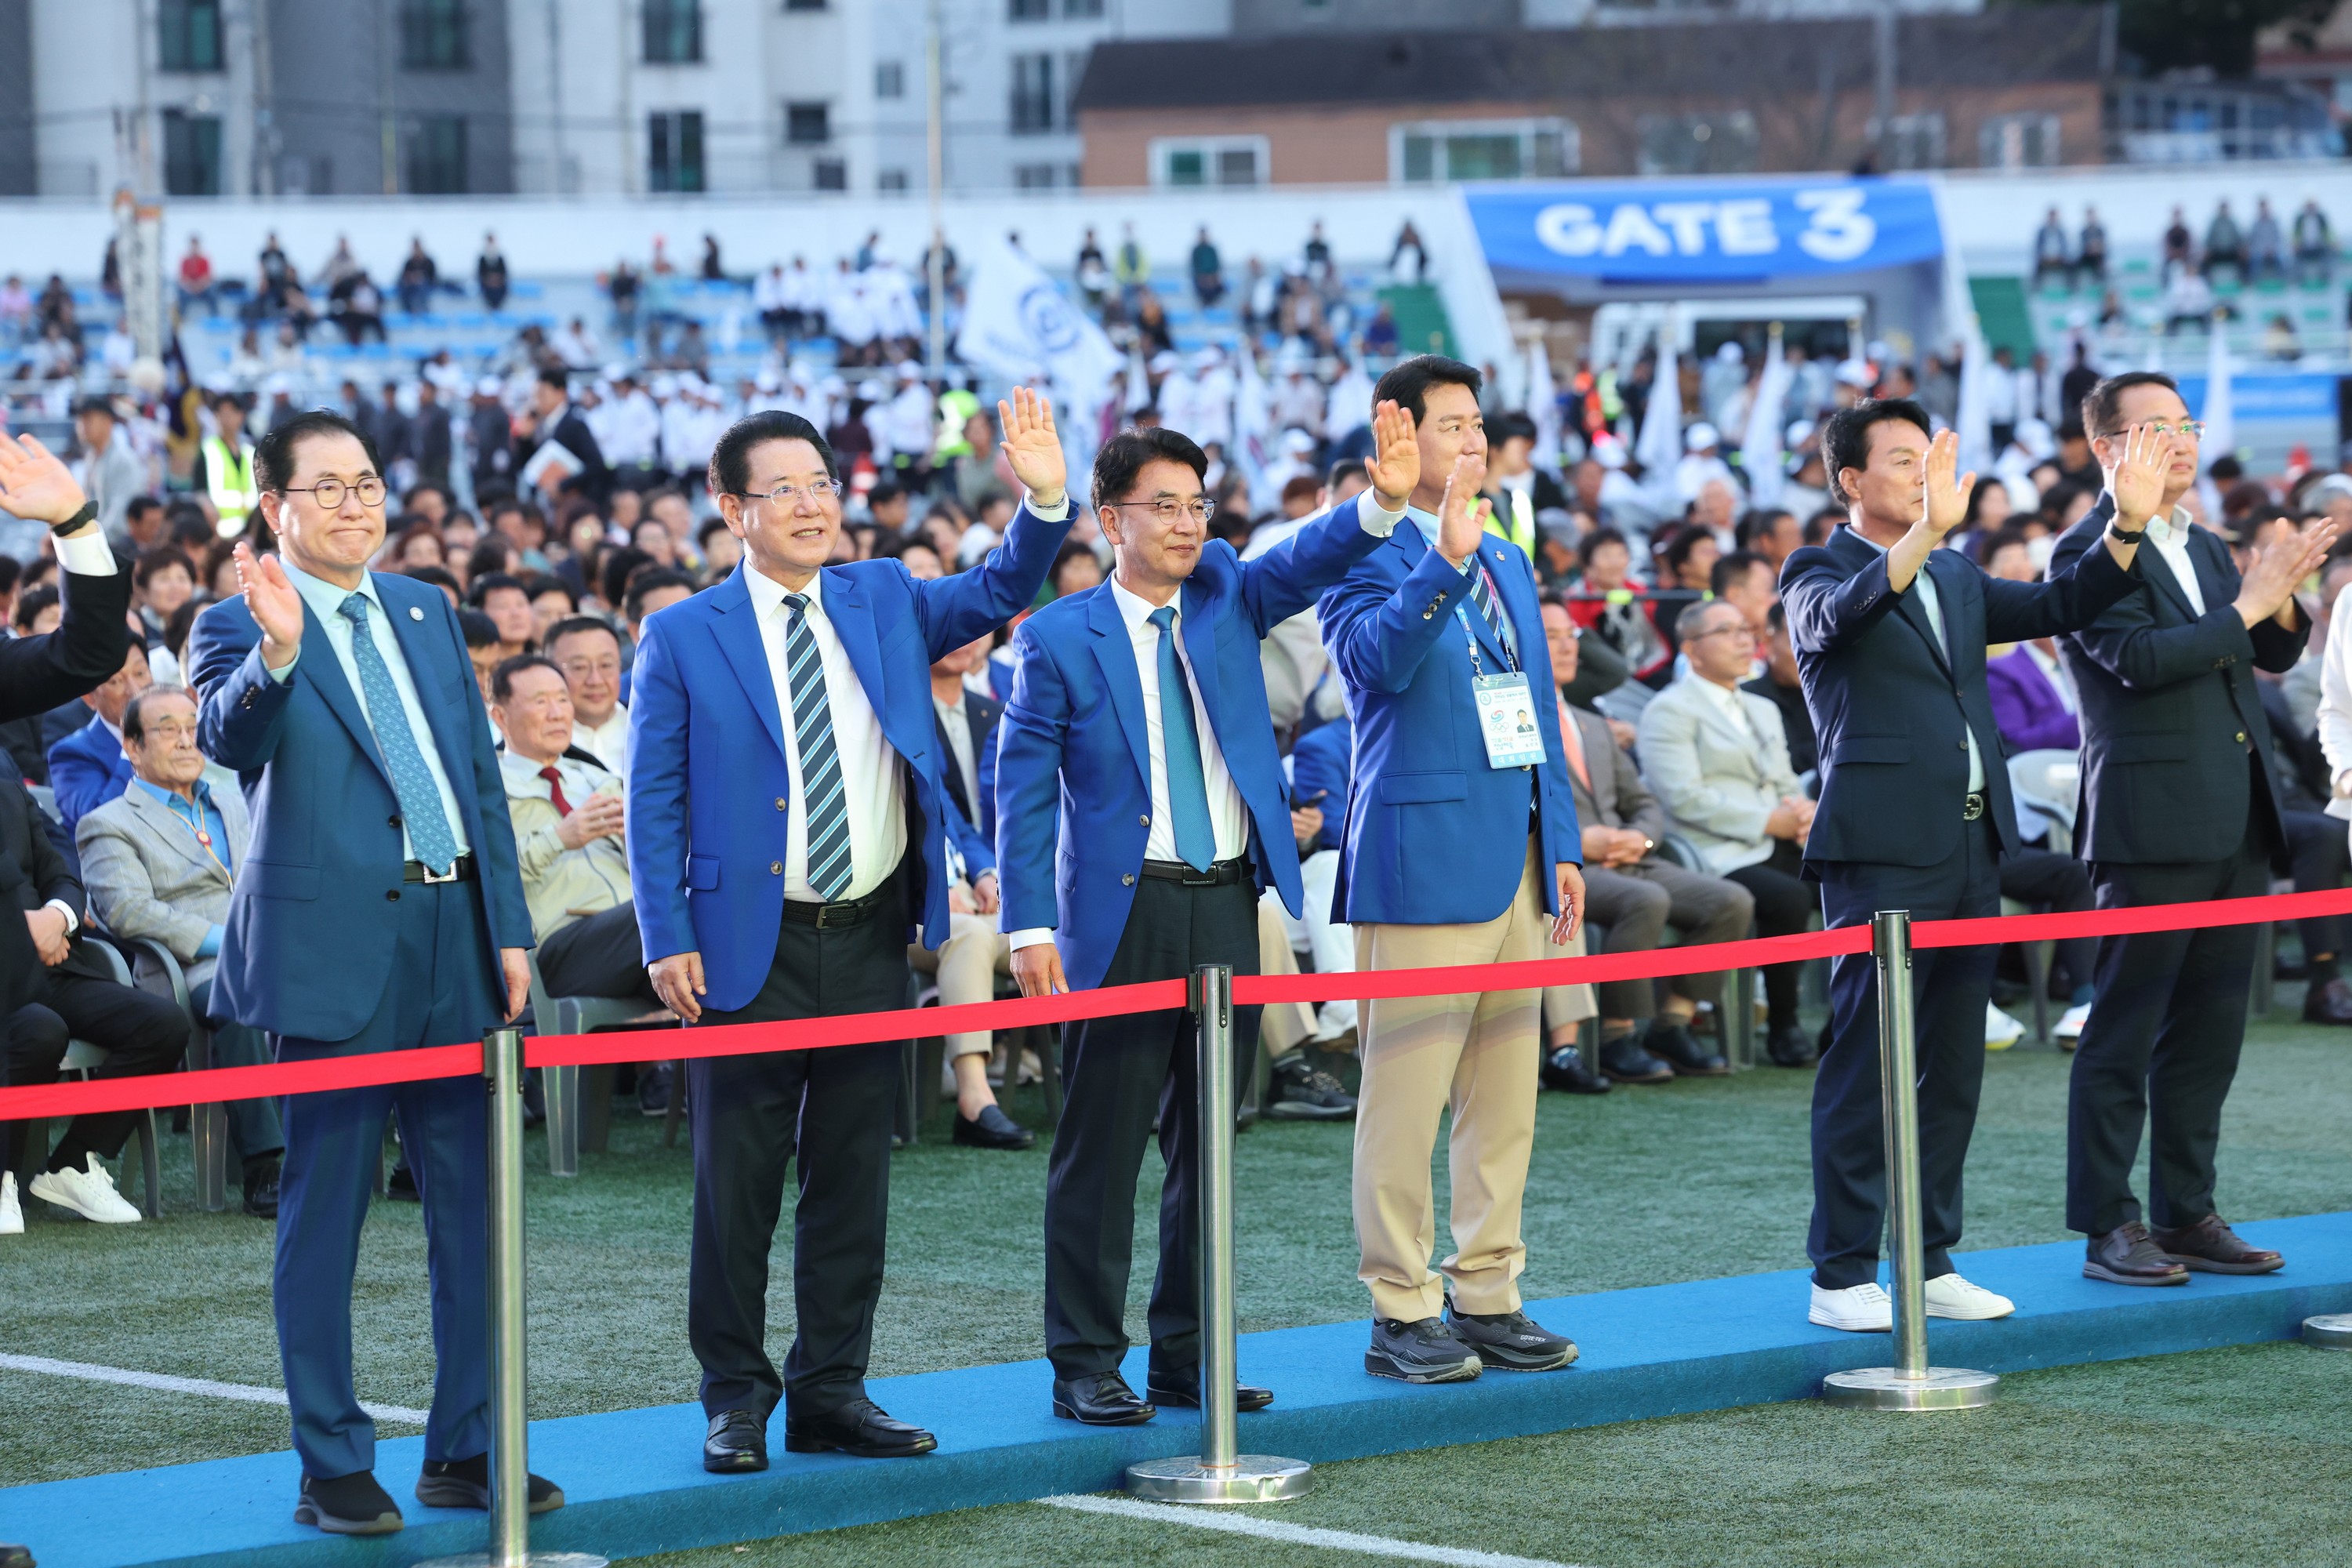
1730	231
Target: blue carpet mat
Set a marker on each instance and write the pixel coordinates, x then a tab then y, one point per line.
636	1486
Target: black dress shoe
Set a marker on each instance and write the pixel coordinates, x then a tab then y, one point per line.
738	1440
992	1129
401	1185
1672	1044
348	1505
1790	1047
1182	1392
262	1191
654	1089
1623	1060
2328	1001
2127	1255
1102	1400
1563	1068
14	1556
859	1428
465	1483
2211	1246
1298	1090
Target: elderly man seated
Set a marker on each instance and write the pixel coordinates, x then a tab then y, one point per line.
588	650
1719	761
88	768
967	964
64	992
568	826
157	860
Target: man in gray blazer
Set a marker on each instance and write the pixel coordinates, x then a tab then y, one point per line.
158	861
1718	758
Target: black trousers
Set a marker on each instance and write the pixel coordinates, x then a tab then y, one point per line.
1116	1075
832	1110
2045	879
2162	1044
601	955
2316	844
1950	987
1785	905
143	1033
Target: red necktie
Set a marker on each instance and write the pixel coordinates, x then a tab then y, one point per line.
555	790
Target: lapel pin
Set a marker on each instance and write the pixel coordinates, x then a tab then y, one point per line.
415	612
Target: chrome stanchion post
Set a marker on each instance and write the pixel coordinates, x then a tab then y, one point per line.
1220	1472
510	1432
2332	1332
1911	1383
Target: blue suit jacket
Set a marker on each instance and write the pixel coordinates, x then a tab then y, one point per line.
707	780
310	933
87	769
1892	713
1073	766
1319	764
1434	835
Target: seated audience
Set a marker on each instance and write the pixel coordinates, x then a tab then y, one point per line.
481	635
1779	687
2034	700
966	965
588	652
88	768
507	602
158	861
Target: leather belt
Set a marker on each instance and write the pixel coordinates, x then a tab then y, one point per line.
1972	807
1223	873
842	914
462	869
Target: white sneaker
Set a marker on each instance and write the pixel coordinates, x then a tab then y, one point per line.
1858	1309
2070	1027
1949	1296
89	1193
2002	1031
12	1212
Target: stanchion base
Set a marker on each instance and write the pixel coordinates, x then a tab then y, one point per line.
535	1559
1252	1478
2334	1333
1886	1388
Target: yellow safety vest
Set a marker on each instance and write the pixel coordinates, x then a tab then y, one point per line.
228	480
1519	528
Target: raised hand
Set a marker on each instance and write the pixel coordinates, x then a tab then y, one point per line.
34	482
1033	447
276	604
2283	561
1461	515
1948	497
2138	479
1394	466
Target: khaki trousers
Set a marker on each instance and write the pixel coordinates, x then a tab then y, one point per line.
967	964
1476	1053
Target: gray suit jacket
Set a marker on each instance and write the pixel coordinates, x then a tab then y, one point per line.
1617	797
148	876
1720	779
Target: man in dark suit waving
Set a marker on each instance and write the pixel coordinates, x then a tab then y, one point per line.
1915	812
2180	804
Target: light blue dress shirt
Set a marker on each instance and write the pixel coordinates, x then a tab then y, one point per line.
207	817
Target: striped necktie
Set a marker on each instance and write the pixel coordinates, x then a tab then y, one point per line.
823	799
1482	594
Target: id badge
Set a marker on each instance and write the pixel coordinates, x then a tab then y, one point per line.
1506	720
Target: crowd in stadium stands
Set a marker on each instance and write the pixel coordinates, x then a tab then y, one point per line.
559	506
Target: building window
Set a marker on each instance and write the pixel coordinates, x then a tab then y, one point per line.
433	36
1185	161
891	182
1033	93
192	159
889	80
808	124
803	5
832	174
1698	143
1483	150
1912	142
674	151
2017	141
1028	10
436	156
1035	177
191	34
673	33
1074	71
1081	8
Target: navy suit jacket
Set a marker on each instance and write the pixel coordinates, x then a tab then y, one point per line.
1073	769
980	713
1434	834
1319	764
87	769
2170	708
709	785
311	931
1892	713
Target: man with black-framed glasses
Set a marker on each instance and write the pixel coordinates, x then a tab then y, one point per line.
2181	802
787	830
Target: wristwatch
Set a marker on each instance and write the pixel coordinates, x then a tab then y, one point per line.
2126	535
89	513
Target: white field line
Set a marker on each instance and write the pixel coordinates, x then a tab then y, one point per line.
1293	1534
247	1392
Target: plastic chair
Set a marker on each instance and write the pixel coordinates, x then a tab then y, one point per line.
579	1100
82	1058
154	968
2049	781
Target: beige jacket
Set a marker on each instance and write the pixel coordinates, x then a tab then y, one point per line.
561	885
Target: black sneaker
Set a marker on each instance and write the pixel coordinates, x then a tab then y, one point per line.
347	1505
653	1089
1428	1351
1510	1340
1297	1092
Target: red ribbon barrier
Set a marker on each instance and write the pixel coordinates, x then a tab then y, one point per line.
669	1043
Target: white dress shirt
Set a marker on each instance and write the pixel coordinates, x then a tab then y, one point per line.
325	600
871	777
1934	605
2168	537
2054	672
608	743
87	556
956	723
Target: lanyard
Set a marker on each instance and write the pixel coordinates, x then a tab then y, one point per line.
1461	614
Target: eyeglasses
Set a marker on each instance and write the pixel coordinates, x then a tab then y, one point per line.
1200	508
788	495
329	493
2192	428
1739	630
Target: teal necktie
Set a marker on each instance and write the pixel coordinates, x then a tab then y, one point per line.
420	800
1180	744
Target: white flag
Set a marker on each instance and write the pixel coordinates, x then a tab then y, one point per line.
1760	455
1974	424
1018	324
1659	448
2220	416
1543	407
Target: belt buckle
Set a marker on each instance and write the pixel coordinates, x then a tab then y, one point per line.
825	913
1193	879
1972	808
432	880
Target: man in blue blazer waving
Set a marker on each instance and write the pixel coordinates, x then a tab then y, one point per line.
378	908
786	832
1141	807
1461	848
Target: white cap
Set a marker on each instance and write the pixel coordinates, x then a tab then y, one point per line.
769	381
1732	353
664	385
1854	373
1700	436
1798	432
1609	453
1165	361
490	386
1299	441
